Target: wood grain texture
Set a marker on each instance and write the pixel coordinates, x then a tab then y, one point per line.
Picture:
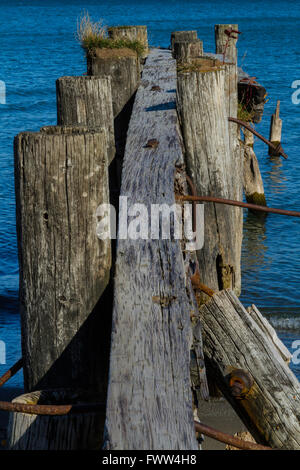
234	339
149	397
61	178
186	51
182	36
252	179
86	101
215	171
81	431
223	44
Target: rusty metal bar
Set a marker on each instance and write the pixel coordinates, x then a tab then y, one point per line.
52	410
277	148
11	372
227	438
245	205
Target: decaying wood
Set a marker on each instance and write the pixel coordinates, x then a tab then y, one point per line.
86	101
149	397
61	176
133	33
275	130
214	170
186	51
252	180
81	431
224	45
234	340
182	36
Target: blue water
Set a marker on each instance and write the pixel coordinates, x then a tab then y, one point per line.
38	45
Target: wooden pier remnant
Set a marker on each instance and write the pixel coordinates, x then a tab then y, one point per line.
214	169
275	130
187	51
182	36
251	371
86	101
61	176
149	402
252	180
133	33
226	45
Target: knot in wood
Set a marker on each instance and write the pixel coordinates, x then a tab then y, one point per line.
152	143
240	383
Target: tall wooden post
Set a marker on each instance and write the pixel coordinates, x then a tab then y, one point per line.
182	36
61	177
252	180
186	51
214	171
86	101
226	45
275	130
133	33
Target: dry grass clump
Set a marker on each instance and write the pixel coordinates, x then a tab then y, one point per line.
93	35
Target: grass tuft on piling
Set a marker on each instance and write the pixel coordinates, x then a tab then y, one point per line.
244	114
93	35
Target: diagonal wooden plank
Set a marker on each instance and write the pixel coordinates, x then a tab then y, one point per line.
149	398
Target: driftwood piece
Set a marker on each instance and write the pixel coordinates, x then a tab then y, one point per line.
186	51
266	393
226	45
133	33
252	180
214	171
80	431
149	402
86	101
275	130
61	176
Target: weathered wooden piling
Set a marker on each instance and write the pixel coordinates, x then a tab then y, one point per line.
252	180
132	33
214	169
182	36
275	130
149	397
86	101
61	176
226	45
251	372
186	51
80	431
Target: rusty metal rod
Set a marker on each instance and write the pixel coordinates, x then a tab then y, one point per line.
51	410
245	205
227	438
277	148
11	372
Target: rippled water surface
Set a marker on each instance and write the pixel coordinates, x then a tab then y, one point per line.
37	45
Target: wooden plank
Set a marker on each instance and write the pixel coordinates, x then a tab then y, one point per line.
149	397
234	339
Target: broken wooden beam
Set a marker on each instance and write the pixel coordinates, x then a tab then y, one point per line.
275	131
252	180
250	371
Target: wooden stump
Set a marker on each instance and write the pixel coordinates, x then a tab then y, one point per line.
252	180
182	36
275	130
215	172
149	402
133	33
251	372
86	101
61	177
225	45
186	51
80	431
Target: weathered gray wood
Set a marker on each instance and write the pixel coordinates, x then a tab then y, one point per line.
68	432
86	101
186	51
252	180
182	36
149	402
133	33
234	340
226	47
275	130
214	170
61	178
122	65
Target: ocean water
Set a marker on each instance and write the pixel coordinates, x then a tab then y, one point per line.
38	45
